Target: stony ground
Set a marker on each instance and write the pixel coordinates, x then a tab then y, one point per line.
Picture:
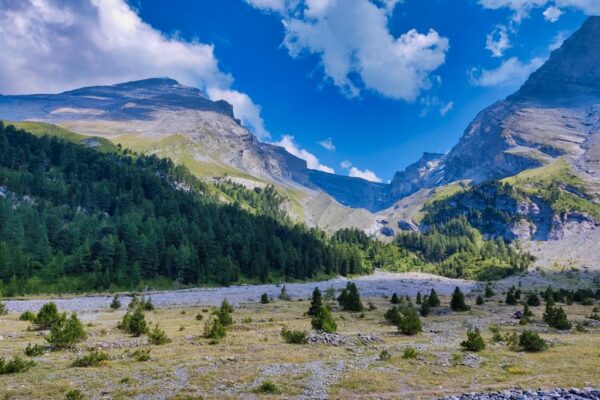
345	365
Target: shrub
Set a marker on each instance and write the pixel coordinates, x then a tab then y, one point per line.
533	300
410	353
141	355
294	337
457	303
496	336
213	329
557	318
531	341
393	315
115	304
3	309
34	351
92	359
74	394
268	387
27	316
419	299
395	299
283	295
371	306
410	323
349	298
264	299
434	300
549	296
316	302
511	299
329	293
199	317
479	301
489	291
384	355
48	316
512	341
474	341
134	324
147	304
527	313
158	336
425	309
324	321
67	333
224	313
17	364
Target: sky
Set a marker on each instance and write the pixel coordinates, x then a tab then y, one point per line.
355	87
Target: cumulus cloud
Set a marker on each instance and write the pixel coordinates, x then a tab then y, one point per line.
552	14
522	8
327	144
511	72
497	42
366	174
356	49
56	45
346	164
558	40
312	162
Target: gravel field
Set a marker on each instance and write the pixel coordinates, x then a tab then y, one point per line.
375	285
515	394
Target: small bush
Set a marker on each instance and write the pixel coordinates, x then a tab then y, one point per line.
324	321
115	304
479	301
74	394
224	313
384	355
496	335
489	291
410	323
134	324
283	295
17	364
410	353
294	337
425	309
141	355
67	333
48	316
512	341
34	351
92	359
264	299
27	316
199	317
474	341
329	293
511	298
147	304
395	299
268	387
533	300
457	303
158	336
371	306
393	315
557	318
531	341
213	329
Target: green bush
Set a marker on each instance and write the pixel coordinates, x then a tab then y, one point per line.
557	318
410	353
511	299
349	298
214	330
27	316
134	324
533	300
457	303
410	323
74	394
268	387
425	309
324	321
479	301
283	295
17	364
158	336
531	341
384	355
393	315
3	309
419	299
264	299
92	359
434	300
34	351
474	341
489	291
294	337
67	333
141	355
395	299
115	304
48	316
224	313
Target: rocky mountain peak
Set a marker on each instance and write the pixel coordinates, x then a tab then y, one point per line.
572	70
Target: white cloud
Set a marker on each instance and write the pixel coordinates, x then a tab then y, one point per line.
56	45
511	72
244	109
498	41
345	164
552	14
447	108
366	174
270	5
357	50
558	40
312	162
327	144
522	8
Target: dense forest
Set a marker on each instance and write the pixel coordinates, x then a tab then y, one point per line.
75	219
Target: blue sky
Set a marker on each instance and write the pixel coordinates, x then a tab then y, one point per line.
312	69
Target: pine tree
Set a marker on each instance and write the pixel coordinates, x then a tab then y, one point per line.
224	313
489	291
66	333
457	303
47	317
425	309
395	299
284	295
324	321
533	300
511	300
479	301
115	303
316	302
474	341
557	318
419	299
264	299
349	298
434	300
410	323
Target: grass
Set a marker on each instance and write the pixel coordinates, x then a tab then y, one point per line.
189	367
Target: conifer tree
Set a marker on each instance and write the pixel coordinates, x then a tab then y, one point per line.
324	321
316	302
419	299
457	303
434	300
395	299
115	304
349	298
425	309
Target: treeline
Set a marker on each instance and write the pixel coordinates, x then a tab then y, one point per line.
75	219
